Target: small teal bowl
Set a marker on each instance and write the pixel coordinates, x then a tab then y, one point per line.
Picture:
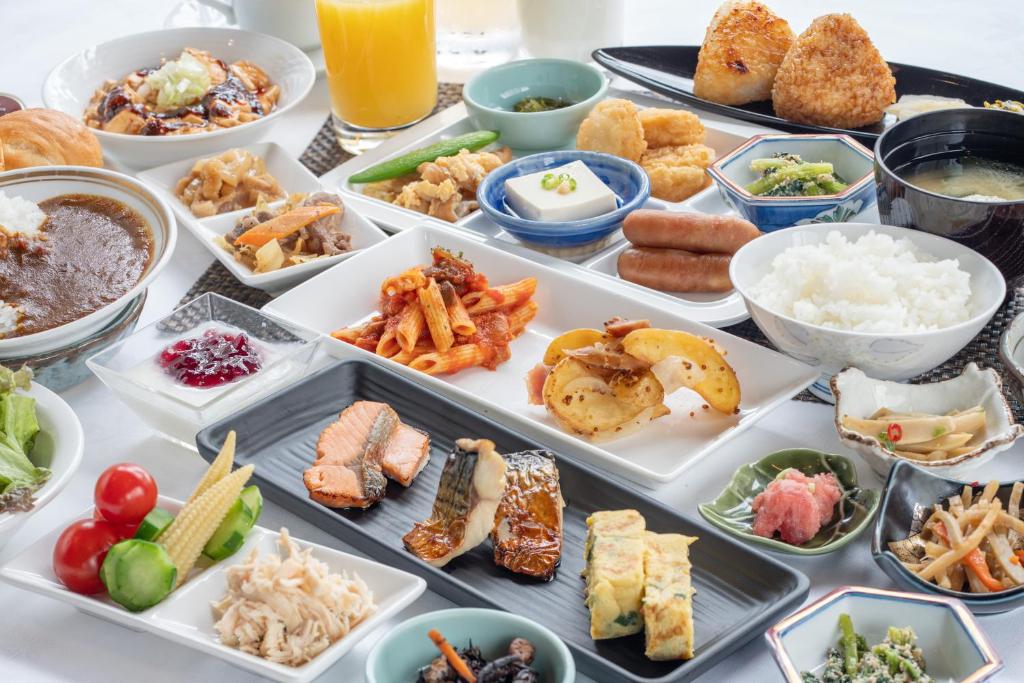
851	160
627	180
491	95
399	655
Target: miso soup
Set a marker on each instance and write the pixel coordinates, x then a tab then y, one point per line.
968	177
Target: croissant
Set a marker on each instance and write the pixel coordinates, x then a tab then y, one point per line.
46	137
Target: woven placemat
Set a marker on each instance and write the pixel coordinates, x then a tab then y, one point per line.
324	154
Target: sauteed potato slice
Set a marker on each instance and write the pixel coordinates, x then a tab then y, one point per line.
573	339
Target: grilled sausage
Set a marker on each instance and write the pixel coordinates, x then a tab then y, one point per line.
674	270
696	232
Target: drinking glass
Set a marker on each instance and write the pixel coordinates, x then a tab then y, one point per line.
473	35
381	66
570	29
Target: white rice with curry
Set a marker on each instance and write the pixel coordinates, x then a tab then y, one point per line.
19	216
874	284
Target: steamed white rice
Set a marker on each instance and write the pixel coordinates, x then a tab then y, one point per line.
874	284
19	216
9	314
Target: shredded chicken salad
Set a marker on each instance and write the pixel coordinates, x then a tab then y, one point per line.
289	607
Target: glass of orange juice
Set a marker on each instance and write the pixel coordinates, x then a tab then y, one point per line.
381	66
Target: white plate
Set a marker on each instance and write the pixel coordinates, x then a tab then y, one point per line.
293	177
185	616
725	309
715	310
349	292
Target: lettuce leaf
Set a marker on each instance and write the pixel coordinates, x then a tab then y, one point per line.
179	83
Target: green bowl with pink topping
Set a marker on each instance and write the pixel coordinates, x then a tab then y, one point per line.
732	511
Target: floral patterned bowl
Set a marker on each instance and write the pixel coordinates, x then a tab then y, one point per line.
851	160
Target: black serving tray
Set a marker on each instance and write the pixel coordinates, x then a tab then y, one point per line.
740	591
669	69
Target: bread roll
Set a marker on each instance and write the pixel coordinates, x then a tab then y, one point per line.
46	137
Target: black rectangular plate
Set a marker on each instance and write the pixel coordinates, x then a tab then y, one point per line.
740	591
669	69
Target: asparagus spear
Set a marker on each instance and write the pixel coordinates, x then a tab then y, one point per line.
848	641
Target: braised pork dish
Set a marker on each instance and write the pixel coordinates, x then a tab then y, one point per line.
195	93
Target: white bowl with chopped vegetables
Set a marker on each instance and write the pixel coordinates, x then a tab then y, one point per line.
54	443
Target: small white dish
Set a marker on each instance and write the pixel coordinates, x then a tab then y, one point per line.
954	646
71	85
129	367
895	356
350	291
59	446
293	177
37	184
185	616
859	396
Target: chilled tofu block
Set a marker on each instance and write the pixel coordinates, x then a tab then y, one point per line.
614	573
668	596
567	193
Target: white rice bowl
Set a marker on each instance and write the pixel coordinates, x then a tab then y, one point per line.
9	315
19	216
874	284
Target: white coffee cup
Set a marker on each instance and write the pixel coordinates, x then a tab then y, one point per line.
570	29
291	20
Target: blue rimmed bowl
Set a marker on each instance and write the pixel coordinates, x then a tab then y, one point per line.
853	162
909	495
954	646
626	179
491	97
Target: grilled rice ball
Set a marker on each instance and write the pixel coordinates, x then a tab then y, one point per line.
742	50
613	127
833	76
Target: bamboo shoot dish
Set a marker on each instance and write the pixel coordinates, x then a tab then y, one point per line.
974	544
923	436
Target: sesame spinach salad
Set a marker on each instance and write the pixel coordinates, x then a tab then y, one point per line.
897	659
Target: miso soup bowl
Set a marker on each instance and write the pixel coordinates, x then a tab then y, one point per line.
993	229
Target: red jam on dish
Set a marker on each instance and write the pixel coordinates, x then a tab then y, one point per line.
212	360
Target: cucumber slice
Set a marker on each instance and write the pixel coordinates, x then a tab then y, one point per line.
407	163
254	499
109	562
154	524
143	574
230	535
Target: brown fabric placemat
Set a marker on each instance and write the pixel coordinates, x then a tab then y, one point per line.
324	154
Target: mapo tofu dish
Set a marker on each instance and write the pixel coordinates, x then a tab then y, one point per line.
195	93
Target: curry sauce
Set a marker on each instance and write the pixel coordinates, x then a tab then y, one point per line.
92	250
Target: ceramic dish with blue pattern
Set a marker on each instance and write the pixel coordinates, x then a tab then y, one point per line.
627	181
909	495
852	162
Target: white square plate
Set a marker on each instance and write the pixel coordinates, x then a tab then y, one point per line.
293	177
348	293
185	616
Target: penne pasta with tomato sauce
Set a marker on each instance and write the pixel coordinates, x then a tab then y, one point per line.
445	317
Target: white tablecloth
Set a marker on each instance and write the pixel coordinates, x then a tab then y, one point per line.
43	640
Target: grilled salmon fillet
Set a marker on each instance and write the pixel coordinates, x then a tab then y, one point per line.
353	455
472	484
527	534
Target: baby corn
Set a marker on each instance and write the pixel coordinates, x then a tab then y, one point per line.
218	469
197	521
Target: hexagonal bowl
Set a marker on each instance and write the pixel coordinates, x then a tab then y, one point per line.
954	646
852	162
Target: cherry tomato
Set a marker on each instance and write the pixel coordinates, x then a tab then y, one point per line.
894	432
123	530
125	494
79	553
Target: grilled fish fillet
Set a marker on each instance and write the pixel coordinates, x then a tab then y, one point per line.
527	535
355	453
472	484
743	48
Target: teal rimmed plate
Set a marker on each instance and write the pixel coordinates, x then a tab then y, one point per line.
731	510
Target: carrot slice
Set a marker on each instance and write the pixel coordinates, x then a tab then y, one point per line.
281	226
975	561
461	668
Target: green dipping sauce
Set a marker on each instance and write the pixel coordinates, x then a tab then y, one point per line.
534	104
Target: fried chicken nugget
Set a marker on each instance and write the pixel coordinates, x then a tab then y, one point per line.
613	127
670	127
743	48
677	173
698	155
834	76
